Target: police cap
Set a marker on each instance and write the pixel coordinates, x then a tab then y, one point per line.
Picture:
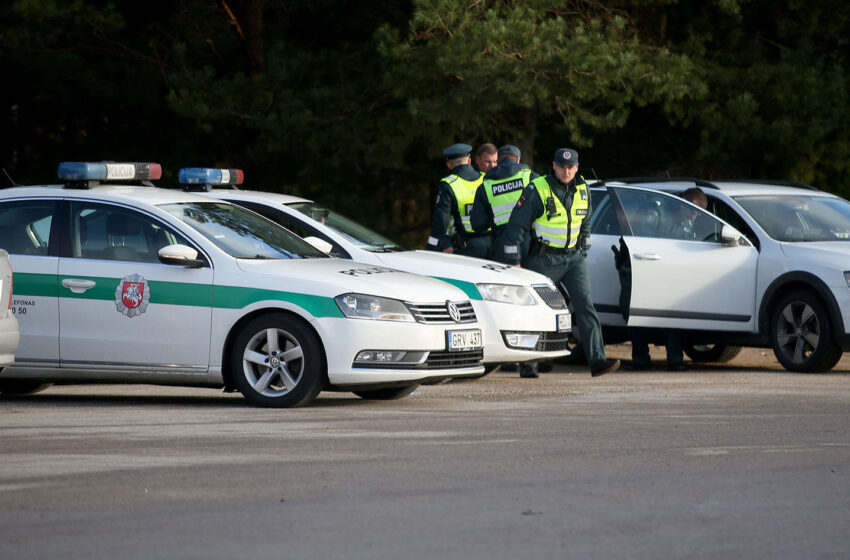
509	151
457	150
566	156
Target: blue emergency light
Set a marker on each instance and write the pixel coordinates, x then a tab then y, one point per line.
80	171
210	176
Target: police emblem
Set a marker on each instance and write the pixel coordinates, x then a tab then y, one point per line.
132	295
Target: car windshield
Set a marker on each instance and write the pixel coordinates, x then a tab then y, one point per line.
240	232
800	217
359	235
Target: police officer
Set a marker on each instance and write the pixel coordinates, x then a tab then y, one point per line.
555	211
451	231
497	195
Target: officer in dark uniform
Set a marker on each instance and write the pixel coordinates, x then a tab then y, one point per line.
451	231
555	211
497	195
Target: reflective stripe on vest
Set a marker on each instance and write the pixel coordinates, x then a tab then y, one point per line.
553	231
464	192
503	194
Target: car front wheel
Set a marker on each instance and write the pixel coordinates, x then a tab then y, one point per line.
277	361
801	334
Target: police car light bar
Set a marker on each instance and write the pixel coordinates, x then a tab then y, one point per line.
77	171
210	176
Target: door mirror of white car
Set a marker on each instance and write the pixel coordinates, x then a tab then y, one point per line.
180	255
319	244
731	237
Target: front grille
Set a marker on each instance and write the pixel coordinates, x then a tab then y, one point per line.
553	298
438	313
552	342
445	360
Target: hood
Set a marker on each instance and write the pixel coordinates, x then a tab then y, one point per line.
833	254
459	269
332	277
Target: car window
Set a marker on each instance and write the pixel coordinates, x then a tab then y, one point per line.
654	214
356	233
25	226
299	229
603	220
800	217
241	233
112	233
723	211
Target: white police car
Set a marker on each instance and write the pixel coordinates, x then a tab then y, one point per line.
129	283
767	265
8	324
525	316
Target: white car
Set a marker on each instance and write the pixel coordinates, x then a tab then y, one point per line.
767	265
525	317
121	283
8	324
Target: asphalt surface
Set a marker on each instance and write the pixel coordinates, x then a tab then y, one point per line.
742	460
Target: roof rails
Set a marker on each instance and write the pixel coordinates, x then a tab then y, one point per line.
205	178
706	184
82	175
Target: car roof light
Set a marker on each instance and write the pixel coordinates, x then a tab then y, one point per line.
210	176
80	171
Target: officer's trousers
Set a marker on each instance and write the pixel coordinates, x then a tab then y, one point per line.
479	247
570	270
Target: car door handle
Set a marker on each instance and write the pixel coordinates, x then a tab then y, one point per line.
648	256
78	286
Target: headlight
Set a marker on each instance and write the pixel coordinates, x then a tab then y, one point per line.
506	293
847	277
362	306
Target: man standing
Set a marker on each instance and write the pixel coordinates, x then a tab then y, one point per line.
451	231
497	195
555	211
485	158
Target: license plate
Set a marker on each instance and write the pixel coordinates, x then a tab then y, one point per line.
564	322
463	340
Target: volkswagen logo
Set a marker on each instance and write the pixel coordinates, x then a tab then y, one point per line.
454	312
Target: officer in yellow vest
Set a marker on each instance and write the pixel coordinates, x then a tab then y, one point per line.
497	195
555	212
451	231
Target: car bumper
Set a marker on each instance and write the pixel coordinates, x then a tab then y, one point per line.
537	324
9	338
425	345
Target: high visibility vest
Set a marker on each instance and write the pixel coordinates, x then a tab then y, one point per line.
464	192
503	194
563	228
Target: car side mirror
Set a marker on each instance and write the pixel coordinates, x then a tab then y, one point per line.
731	237
319	244
180	255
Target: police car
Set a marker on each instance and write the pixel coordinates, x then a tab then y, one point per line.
8	324
525	316
119	281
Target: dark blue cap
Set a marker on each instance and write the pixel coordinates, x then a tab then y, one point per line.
509	151
457	150
566	156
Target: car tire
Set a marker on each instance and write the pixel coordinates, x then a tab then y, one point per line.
801	334
11	387
277	361
387	393
720	353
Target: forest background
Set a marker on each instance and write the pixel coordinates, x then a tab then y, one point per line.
351	103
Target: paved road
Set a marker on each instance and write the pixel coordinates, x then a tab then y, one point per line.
739	461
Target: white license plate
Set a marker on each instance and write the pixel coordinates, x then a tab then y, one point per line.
463	340
564	322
